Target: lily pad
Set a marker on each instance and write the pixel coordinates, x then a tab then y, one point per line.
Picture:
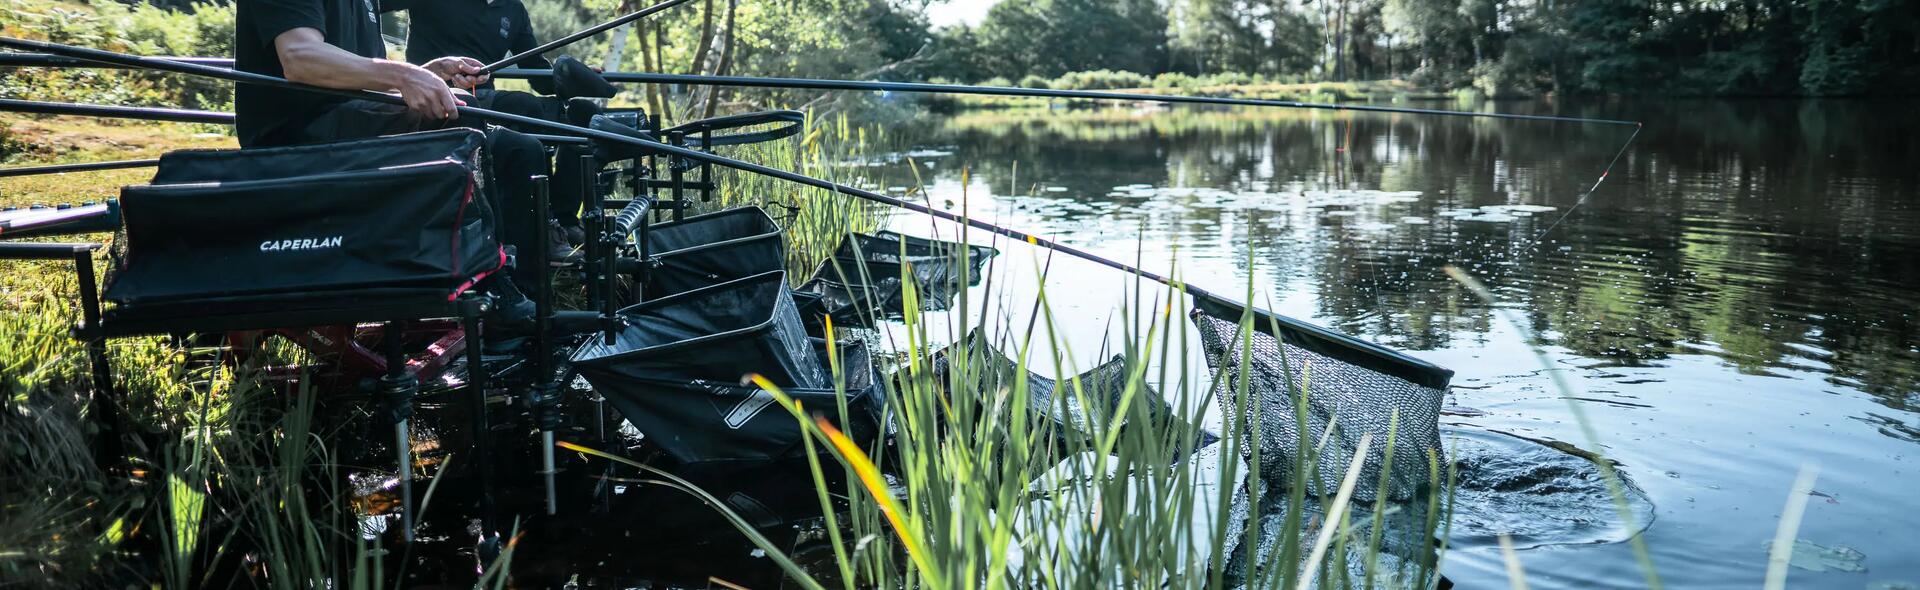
1814	557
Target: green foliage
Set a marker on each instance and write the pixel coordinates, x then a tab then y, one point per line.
1212	36
1032	81
1100	80
1818	47
203	29
1052	37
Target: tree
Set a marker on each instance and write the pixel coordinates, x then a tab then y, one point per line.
1052	37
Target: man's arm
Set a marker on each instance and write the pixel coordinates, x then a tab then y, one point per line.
308	59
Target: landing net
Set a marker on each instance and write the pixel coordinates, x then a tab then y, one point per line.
1305	385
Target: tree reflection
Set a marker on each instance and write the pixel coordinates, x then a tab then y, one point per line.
1774	234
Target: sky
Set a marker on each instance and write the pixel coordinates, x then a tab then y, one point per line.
954	12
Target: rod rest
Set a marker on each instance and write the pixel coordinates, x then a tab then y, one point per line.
704	133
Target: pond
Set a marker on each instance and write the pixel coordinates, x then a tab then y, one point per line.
1736	301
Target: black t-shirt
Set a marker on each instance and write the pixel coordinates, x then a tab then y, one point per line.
482	30
273	116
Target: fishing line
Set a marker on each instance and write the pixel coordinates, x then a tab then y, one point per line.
1596	185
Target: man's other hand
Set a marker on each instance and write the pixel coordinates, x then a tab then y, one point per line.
463	72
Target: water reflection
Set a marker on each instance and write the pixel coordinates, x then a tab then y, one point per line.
1736	300
1768	234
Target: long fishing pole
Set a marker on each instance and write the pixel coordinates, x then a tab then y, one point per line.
921	87
42	60
94	110
588	32
1306	335
160	114
87	167
918	87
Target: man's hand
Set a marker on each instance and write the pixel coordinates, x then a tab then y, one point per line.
463	72
426	93
308	59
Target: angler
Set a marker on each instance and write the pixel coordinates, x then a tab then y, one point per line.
337	44
495	29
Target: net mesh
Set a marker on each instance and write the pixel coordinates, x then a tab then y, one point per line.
1343	403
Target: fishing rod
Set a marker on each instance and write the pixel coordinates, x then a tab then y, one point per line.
87	167
588	32
1305	335
93	110
157	114
42	60
922	87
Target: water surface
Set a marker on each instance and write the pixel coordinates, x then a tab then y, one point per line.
1735	302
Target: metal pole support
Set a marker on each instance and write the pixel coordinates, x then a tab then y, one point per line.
396	392
471	312
100	404
543	399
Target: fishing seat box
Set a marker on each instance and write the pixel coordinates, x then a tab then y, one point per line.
393	227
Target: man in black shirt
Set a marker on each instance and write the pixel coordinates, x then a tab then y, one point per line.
486	30
490	30
337	44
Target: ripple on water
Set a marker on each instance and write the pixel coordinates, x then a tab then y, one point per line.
1537	495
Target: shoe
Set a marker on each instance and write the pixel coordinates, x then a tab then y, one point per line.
576	235
574	79
512	312
560	248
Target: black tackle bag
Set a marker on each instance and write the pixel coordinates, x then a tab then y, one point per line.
718	333
713	248
708	420
890	255
401	215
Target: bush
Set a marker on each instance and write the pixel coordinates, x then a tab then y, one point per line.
1831	70
1100	80
999	81
1173	80
1032	81
1226	79
207	30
